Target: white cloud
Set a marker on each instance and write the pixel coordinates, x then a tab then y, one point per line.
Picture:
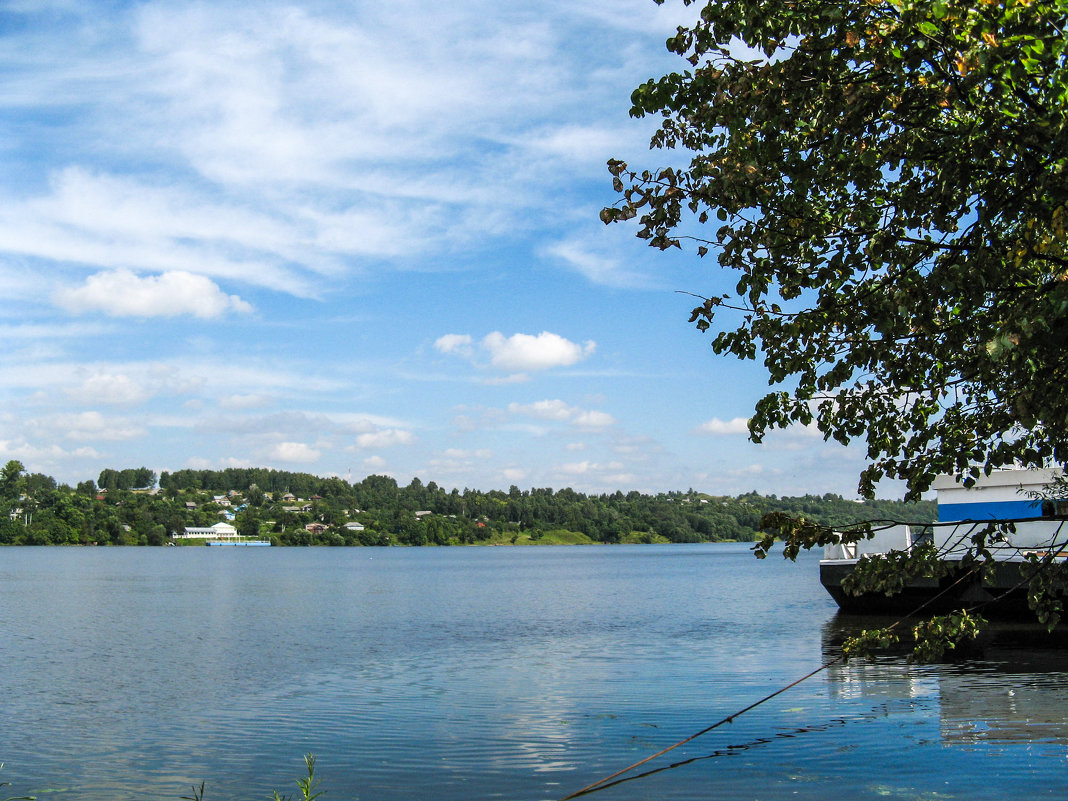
111	388
588	259
504	380
519	351
239	402
43	456
577	468
294	452
461	453
747	470
526	352
121	293
583	145
454	343
594	419
560	411
545	410
386	438
586	467
514	474
717	427
94	426
374	463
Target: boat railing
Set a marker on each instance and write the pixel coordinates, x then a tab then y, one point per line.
956	538
892	538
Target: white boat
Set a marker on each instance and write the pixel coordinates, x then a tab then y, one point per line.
245	543
1003	496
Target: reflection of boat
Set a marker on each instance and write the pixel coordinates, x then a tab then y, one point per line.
963	513
246	543
1007	687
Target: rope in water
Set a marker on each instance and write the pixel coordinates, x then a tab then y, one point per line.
729	719
601	783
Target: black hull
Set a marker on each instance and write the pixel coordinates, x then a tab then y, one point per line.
1002	596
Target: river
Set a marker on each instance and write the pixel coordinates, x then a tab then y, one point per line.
489	673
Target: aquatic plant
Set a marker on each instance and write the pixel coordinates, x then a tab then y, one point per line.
15	797
308	786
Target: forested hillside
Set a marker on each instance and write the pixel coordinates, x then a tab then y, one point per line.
124	507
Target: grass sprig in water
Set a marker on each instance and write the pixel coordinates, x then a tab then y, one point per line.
19	797
308	786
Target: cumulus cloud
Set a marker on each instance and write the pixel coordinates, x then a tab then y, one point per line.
121	293
294	452
718	428
526	352
518	352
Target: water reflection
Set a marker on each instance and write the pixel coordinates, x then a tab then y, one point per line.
1010	686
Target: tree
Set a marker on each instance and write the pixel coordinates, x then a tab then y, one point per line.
248	523
11	480
887	181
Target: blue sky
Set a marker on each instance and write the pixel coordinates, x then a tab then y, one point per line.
351	238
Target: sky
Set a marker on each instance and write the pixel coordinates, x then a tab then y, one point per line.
353	238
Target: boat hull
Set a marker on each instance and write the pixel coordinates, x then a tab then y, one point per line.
1002	594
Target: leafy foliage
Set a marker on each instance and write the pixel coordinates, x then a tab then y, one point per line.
887	183
308	784
934	636
931	637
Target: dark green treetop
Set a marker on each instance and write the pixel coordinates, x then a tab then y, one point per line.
886	181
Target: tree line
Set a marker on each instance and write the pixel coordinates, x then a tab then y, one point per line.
305	509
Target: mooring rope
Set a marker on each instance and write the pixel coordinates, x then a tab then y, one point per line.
600	784
729	719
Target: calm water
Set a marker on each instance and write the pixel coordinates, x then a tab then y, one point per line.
486	673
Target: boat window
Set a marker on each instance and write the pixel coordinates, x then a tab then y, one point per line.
924	536
1054	507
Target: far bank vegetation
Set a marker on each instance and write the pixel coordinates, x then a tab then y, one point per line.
133	507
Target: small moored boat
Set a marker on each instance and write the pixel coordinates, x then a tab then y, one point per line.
245	543
1005	496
